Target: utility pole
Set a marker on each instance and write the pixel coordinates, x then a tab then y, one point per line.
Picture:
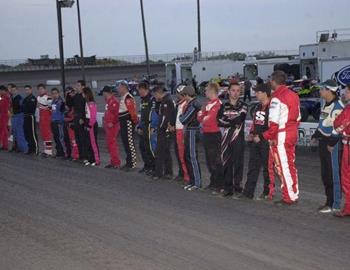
145	40
199	27
60	43
82	62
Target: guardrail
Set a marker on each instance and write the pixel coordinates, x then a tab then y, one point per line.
53	63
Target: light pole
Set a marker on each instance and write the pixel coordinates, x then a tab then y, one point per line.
199	27
62	4
145	40
82	63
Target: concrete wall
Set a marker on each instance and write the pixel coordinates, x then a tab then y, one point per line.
103	75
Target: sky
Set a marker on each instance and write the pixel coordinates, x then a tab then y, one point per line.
113	27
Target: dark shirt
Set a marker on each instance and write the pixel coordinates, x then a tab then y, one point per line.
17	104
167	113
29	105
79	107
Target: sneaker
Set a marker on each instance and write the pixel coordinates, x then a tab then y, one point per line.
284	203
193	188
178	178
87	163
262	197
187	187
111	166
227	194
325	210
44	155
149	172
241	196
168	177
336	211
155	178
143	170
341	214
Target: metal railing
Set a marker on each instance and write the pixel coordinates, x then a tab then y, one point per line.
53	63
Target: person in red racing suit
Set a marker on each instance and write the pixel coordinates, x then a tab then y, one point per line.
284	118
5	103
342	126
44	105
112	127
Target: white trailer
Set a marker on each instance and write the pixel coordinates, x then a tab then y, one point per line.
207	70
264	67
338	69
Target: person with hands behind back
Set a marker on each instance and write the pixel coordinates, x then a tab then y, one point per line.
329	144
112	127
259	147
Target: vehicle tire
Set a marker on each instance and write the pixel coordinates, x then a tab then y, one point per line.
304	114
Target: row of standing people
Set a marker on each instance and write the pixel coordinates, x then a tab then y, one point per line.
272	137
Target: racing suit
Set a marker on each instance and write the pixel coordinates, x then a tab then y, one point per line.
258	152
330	162
167	116
44	104
191	123
284	118
112	127
231	118
180	142
57	121
29	124
212	141
148	122
5	104
128	119
91	127
342	126
17	121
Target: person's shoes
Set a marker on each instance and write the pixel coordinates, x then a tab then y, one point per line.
86	163
148	172
94	164
187	187
336	211
341	214
241	196
193	188
111	166
284	203
227	194
44	155
168	177
208	187
178	178
217	191
155	178
262	197
143	170
325	210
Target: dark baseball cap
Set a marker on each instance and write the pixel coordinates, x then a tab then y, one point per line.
330	85
107	89
263	87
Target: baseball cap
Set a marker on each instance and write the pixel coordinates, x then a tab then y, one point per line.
189	91
180	88
263	88
330	85
107	89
